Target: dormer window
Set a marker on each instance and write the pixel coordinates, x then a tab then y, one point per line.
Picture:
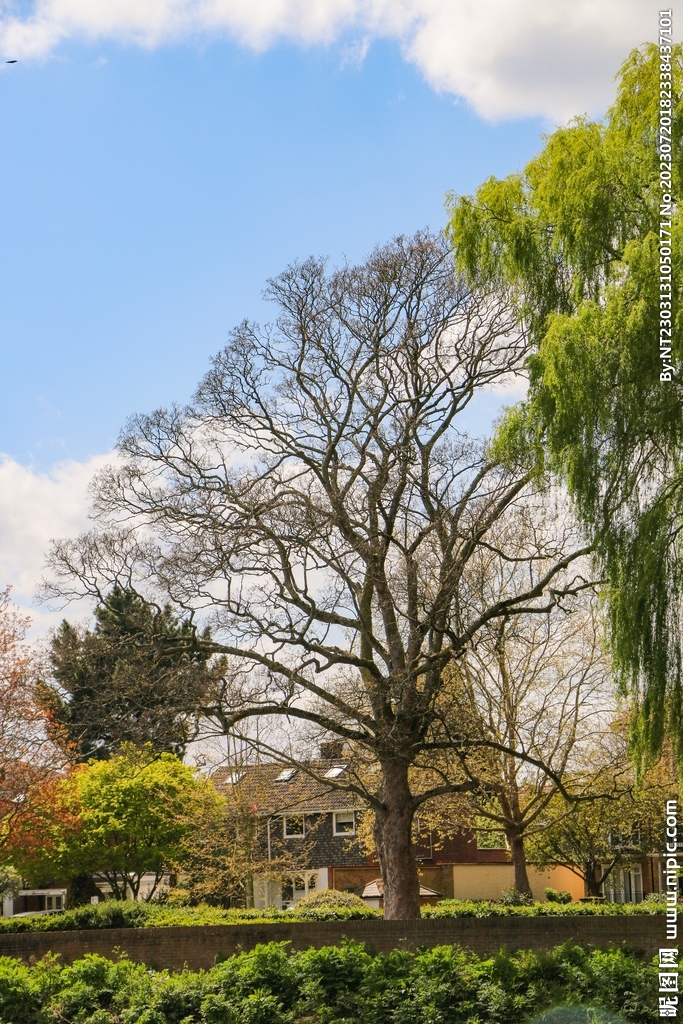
334	773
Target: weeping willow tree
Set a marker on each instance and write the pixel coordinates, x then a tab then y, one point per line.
577	236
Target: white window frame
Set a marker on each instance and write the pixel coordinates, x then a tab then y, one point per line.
294	835
340	835
232	778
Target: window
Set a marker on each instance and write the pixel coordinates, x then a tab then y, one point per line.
232	778
335	772
294	888
344	823
294	827
48	903
286	775
287	892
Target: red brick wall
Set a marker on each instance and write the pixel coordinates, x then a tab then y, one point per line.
198	947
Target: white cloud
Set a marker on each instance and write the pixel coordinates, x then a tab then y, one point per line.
507	58
34	508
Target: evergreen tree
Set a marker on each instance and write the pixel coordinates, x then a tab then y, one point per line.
137	677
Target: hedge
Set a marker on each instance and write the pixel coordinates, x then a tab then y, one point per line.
489	908
127	914
325	907
336	985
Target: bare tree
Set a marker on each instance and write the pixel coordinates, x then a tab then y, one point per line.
540	694
319	497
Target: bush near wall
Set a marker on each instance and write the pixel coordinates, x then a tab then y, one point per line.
126	914
490	908
333	985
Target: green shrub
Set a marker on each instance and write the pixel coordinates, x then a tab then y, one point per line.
108	914
335	985
491	908
514	898
553	896
325	905
20	998
173	898
332	905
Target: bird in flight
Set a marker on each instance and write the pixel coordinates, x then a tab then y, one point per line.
10	62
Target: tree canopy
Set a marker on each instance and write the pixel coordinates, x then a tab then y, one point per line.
595	837
321	498
137	677
26	754
119	819
577	238
539	687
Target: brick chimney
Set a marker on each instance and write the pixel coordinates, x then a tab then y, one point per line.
332	749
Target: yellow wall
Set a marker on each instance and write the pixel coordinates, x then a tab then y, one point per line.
487	881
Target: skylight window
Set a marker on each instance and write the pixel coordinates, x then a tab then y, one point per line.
286	775
335	772
232	778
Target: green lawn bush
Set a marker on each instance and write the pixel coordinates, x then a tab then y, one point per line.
333	985
332	905
127	914
558	897
326	905
490	908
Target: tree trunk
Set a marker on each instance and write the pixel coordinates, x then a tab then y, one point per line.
393	838
591	881
518	856
249	891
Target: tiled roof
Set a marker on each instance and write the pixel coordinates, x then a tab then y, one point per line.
306	791
375	890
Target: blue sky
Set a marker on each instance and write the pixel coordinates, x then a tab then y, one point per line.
155	173
152	195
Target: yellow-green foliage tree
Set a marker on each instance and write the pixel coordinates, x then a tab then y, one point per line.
594	837
117	819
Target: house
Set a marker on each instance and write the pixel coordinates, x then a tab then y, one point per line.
34	901
309	833
308	830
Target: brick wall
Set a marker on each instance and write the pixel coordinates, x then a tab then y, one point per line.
198	947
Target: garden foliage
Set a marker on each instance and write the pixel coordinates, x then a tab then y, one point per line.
127	914
333	985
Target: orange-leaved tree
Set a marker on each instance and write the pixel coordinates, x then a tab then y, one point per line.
26	755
